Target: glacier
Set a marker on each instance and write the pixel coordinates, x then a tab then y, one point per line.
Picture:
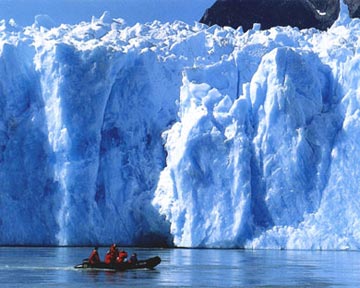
162	134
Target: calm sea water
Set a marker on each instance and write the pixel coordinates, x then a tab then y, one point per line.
53	267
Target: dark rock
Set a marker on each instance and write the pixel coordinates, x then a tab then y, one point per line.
319	14
354	8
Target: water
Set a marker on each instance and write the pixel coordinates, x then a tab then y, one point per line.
53	267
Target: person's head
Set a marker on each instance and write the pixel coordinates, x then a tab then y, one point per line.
96	248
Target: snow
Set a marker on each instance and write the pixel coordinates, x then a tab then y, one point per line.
173	132
321	13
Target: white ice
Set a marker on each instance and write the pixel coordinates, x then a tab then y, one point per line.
167	132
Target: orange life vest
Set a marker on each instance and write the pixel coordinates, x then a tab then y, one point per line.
122	256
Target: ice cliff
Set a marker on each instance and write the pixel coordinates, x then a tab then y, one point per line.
164	133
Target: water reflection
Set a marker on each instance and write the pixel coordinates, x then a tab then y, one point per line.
44	267
239	268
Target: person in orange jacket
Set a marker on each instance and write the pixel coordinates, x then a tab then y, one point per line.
108	257
111	255
94	257
122	256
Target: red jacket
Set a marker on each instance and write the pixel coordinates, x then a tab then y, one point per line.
108	258
94	257
122	256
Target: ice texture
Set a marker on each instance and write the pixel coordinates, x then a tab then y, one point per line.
178	134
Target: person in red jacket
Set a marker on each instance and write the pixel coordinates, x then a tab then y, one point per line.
111	255
122	256
108	257
94	257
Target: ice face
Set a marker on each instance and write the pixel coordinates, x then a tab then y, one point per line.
237	164
81	134
283	123
166	133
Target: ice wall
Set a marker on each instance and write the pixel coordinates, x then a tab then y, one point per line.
281	176
83	108
168	133
250	162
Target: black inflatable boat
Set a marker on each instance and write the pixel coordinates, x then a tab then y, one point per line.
140	264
